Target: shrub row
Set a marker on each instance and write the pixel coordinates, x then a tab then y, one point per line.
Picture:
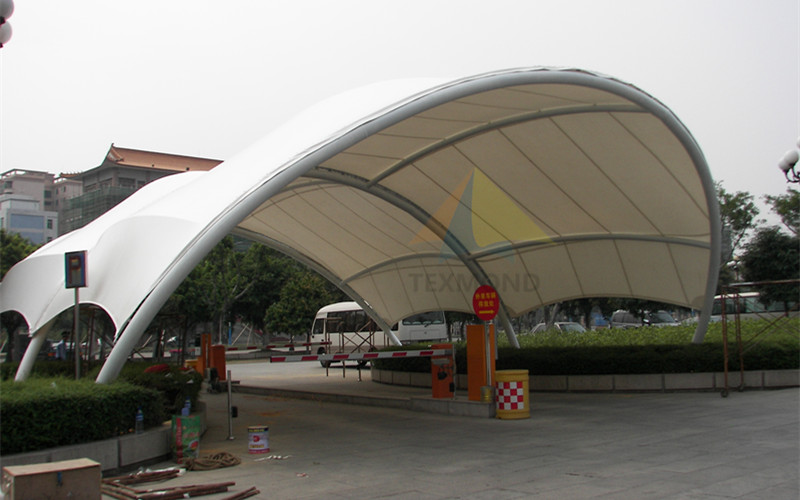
173	383
47	411
619	359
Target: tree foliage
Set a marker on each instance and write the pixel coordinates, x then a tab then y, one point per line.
771	256
787	206
221	281
300	299
248	282
13	248
269	271
738	213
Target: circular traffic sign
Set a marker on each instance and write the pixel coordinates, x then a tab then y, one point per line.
486	302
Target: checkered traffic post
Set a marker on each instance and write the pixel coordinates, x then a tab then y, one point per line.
512	394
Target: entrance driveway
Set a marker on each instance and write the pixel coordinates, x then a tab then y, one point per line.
665	446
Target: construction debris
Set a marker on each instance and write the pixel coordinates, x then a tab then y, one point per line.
250	492
172	493
144	476
273	457
210	462
119	487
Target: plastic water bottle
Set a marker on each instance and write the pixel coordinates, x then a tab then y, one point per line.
187	407
139	421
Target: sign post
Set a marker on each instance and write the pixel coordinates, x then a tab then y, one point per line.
486	304
75	277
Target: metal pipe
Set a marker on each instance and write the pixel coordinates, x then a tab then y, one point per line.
230	410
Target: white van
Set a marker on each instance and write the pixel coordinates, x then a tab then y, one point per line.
345	327
750	307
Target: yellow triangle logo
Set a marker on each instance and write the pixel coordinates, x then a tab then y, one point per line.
479	214
495	216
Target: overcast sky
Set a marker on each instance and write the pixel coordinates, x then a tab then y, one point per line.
208	78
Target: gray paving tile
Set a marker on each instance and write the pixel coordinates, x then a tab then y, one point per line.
642	446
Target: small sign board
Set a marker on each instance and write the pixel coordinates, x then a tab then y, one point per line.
486	302
75	269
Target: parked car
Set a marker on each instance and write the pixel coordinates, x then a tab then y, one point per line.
562	326
627	319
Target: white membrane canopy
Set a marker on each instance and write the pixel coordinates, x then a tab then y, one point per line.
547	184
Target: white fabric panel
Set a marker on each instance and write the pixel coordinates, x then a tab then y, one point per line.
553	275
566	95
598	265
418	126
650	270
35	286
422	284
558	159
690	262
667	148
643	179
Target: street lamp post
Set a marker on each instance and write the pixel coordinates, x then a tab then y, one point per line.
6	9
788	163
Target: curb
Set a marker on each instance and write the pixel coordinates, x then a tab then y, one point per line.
649	382
445	406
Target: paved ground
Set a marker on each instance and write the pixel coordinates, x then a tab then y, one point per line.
637	446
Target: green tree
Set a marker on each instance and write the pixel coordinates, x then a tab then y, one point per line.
739	216
770	256
220	281
185	309
300	299
13	248
268	270
738	213
787	206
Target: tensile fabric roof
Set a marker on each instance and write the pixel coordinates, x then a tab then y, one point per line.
548	184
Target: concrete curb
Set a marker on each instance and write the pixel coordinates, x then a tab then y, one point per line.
651	382
456	407
114	455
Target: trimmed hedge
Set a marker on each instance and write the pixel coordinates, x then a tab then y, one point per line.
44	413
638	351
174	384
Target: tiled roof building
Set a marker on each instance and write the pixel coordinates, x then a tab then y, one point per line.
122	172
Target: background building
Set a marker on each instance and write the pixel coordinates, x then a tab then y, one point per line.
65	187
41	206
22	214
122	172
33	183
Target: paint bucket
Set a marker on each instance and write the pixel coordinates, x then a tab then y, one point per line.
258	439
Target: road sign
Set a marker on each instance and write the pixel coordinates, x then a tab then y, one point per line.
75	267
486	302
